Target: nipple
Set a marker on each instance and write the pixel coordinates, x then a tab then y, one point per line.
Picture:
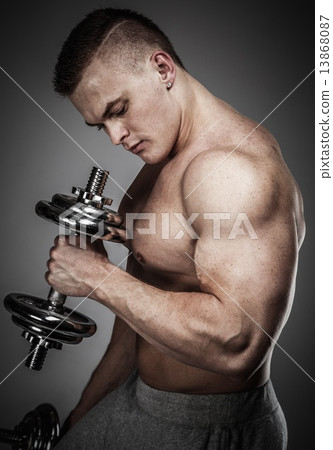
140	258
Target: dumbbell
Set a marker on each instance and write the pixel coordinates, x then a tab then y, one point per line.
47	323
38	430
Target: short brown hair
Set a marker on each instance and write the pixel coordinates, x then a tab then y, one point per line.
103	32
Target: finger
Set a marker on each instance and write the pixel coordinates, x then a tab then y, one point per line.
122	235
60	239
47	277
50	264
115	235
73	239
78	240
114	218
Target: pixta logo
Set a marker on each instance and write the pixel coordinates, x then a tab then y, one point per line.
81	219
240	227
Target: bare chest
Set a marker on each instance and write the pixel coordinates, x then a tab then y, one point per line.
159	233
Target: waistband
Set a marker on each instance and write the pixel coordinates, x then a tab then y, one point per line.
205	410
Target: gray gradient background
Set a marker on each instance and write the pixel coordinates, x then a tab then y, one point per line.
252	56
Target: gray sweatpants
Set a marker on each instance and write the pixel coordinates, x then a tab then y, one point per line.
136	416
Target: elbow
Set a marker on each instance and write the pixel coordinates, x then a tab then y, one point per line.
242	361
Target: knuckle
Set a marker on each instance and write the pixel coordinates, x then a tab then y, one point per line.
60	240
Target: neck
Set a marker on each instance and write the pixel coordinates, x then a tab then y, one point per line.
195	102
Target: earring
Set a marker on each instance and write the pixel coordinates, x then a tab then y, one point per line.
169	85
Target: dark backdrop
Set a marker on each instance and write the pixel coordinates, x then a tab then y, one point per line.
251	55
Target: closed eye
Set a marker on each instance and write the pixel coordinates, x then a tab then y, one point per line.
119	113
98	125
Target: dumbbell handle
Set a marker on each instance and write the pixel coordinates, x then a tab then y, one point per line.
9	436
56	299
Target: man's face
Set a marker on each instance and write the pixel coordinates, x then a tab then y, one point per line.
134	109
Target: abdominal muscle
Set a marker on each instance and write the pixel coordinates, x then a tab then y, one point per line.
160	371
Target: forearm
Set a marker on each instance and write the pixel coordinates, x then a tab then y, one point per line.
116	365
187	326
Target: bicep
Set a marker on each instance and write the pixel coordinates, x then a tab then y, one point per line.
252	277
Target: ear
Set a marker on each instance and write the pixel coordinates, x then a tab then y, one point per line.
163	63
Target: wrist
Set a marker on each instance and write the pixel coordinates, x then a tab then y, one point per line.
100	282
112	288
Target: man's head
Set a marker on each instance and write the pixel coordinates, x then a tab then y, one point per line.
119	71
119	36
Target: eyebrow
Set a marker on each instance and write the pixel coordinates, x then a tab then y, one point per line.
108	110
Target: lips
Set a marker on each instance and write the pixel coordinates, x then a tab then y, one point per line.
135	148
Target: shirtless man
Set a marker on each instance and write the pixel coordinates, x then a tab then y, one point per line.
198	312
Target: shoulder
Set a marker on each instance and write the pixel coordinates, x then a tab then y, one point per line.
228	180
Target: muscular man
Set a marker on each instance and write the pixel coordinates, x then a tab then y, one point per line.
209	288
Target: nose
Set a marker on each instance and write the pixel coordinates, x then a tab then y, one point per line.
117	132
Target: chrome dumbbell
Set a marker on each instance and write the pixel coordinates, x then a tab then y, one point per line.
39	429
48	323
